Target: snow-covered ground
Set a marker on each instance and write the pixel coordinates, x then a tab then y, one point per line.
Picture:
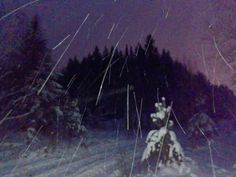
108	154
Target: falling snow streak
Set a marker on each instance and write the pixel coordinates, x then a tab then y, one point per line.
17	9
111	30
204	61
54	48
127	104
213	99
62	55
111	72
19	116
210	151
140	41
109	80
3	139
36	135
6	116
108	66
167	13
117	134
212	162
221	55
202	56
26	150
166	10
123	66
134	152
213	88
118	23
152	34
70	83
138	114
98	20
93	82
178	122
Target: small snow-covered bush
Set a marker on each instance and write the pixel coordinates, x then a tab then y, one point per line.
201	124
73	119
162	148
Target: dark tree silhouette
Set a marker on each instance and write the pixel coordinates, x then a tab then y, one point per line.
147	71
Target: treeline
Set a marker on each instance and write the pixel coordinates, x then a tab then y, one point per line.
150	74
95	88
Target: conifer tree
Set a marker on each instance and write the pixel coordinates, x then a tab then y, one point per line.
38	102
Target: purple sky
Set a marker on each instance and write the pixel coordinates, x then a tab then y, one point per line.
177	25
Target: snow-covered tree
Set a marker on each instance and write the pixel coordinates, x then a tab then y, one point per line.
73	119
35	102
162	145
50	109
201	125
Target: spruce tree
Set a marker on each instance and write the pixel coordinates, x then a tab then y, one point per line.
36	103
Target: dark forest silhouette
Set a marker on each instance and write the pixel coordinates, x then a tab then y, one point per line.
146	70
148	73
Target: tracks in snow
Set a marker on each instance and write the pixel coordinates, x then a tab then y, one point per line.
98	160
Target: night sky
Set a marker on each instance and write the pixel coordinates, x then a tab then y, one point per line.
177	25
